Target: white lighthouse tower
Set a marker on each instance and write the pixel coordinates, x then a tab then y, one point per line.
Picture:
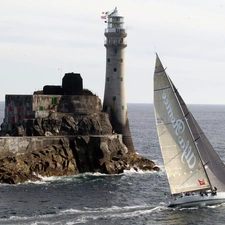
115	94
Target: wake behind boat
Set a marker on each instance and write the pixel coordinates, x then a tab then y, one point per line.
195	172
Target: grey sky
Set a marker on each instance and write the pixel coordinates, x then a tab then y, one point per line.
39	39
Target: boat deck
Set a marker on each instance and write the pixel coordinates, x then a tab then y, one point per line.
197	200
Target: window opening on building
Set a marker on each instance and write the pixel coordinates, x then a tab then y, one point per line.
54	101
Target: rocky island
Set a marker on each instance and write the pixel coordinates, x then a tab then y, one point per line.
61	131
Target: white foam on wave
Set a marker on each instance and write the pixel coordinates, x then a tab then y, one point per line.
26	219
215	206
76	216
97	174
113	209
114	212
201	206
52	179
138	170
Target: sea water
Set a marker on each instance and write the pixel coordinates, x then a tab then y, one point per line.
127	199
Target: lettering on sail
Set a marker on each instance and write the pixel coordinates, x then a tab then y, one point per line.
179	128
179	187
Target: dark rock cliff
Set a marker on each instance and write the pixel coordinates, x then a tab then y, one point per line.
60	124
103	155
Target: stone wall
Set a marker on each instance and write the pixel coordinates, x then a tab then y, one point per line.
17	108
24	107
30	158
24	145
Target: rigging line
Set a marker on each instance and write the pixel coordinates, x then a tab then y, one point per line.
186	114
160	89
175	89
165	124
206	163
161	70
173	157
162	133
196	139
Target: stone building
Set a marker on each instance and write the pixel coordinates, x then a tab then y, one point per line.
70	97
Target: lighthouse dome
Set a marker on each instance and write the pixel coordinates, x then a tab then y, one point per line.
115	13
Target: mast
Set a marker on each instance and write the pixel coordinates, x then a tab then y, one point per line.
115	94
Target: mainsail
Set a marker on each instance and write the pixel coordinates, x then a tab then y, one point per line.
190	161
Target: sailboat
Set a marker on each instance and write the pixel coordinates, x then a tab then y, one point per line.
195	172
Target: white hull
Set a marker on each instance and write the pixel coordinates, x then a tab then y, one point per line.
198	200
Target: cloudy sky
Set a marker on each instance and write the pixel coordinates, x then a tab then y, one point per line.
40	40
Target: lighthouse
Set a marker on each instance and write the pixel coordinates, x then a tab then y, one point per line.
115	93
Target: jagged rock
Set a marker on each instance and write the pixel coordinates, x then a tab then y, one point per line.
136	161
62	124
83	154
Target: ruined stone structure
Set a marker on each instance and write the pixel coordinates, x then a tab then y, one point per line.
68	98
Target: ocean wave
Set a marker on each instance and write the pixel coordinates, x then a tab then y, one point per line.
78	177
118	213
75	216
